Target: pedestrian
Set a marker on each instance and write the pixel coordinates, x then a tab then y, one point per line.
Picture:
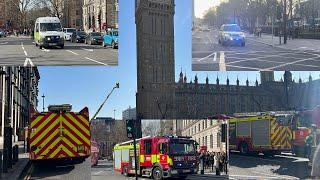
201	158
221	162
216	164
207	160
212	160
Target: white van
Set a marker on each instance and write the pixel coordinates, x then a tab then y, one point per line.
48	32
68	33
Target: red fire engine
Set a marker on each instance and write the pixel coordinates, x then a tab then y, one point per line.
302	127
158	157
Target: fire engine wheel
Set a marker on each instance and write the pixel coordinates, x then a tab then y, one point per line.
244	148
157	173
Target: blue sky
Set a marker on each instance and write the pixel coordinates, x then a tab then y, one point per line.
88	86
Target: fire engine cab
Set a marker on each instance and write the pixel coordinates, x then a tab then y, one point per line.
157	157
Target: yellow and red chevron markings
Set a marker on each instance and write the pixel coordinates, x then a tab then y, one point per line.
59	135
281	137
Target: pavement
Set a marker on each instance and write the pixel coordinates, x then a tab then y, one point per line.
283	166
49	170
259	54
23	52
17	170
104	170
292	44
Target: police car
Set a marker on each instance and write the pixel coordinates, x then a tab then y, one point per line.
231	34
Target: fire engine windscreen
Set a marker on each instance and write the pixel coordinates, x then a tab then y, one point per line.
182	148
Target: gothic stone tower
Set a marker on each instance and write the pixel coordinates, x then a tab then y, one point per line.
155	58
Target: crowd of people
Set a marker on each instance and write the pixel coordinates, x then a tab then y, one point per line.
214	161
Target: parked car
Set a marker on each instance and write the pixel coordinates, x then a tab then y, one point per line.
78	36
68	33
231	33
94	38
111	38
2	33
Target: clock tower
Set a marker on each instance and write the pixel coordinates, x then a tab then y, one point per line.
155	59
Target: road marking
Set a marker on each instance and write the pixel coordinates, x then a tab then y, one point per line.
25	52
72	52
29	173
252	59
90	50
4	43
290	63
222	63
45	50
243	67
215	57
96	61
99	172
280	177
199	60
28	61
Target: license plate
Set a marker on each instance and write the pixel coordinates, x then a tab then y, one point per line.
52	44
186	170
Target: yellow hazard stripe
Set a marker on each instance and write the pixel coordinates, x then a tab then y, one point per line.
51	146
43	133
77	132
47	141
84	129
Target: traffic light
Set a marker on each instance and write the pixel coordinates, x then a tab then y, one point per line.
223	132
130	128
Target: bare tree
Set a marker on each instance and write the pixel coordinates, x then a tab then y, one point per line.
56	7
150	128
24	6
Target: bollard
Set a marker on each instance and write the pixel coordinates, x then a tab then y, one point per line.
5	163
13	155
1	164
17	153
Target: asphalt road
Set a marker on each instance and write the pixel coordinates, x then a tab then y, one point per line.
104	170
69	172
260	167
22	51
208	55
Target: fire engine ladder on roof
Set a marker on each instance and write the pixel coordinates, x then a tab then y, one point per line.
104	102
268	113
131	141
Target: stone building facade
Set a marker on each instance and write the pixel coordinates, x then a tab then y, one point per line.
73	14
24	92
107	11
107	132
205	132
